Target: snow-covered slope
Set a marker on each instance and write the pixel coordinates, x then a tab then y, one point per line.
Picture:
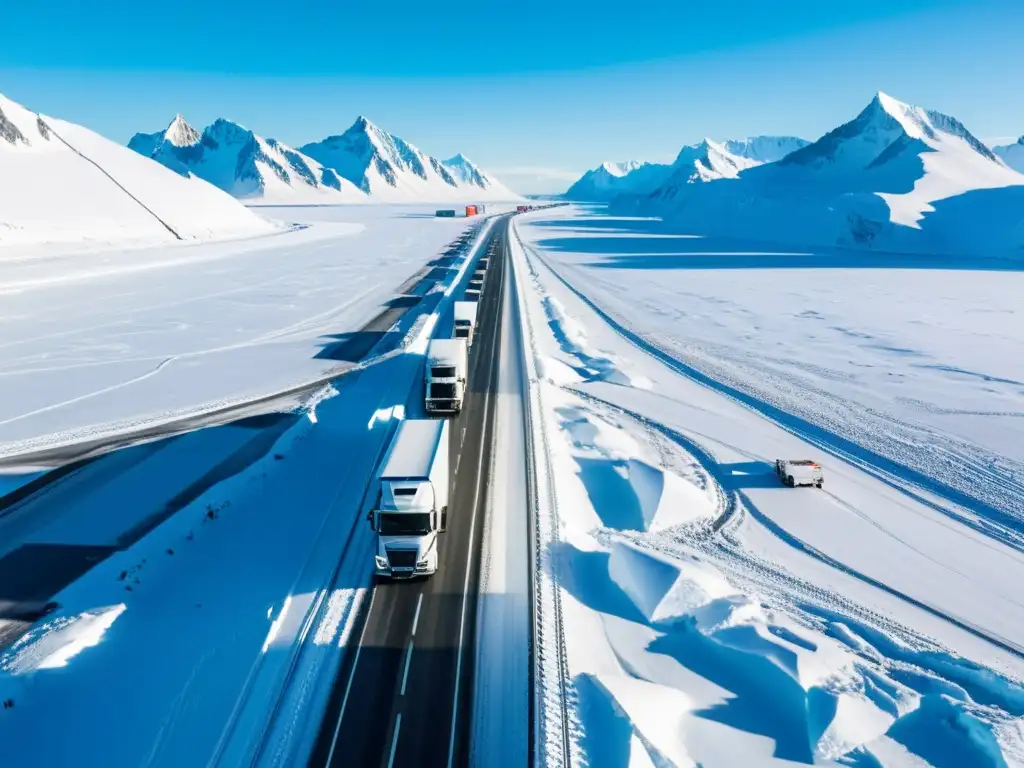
392	170
62	183
610	180
1012	154
468	173
706	161
896	177
765	149
244	164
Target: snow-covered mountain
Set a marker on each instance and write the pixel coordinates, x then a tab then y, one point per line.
244	164
765	149
895	177
391	170
703	162
609	180
1012	154
62	183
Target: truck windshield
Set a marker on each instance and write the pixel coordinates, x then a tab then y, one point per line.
408	524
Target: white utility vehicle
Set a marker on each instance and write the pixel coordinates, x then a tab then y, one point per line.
794	472
412	500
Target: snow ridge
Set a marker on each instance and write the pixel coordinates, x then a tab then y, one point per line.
1012	154
896	177
243	163
65	184
388	168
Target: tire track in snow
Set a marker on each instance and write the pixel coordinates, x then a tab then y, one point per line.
1010	529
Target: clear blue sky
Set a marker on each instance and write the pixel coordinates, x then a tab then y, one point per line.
535	91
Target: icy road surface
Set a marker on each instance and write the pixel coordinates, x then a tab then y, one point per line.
696	612
93	341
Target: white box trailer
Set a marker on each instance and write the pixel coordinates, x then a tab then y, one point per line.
465	321
444	375
411	506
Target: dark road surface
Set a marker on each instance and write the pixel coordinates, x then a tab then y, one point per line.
403	697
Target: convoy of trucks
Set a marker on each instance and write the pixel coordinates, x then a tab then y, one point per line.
411	505
411	500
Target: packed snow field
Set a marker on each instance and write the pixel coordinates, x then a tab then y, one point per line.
145	334
694	611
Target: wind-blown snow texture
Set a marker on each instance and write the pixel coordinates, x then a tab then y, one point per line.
389	169
244	164
62	183
897	177
709	615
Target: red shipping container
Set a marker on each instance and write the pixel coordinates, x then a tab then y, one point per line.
471	210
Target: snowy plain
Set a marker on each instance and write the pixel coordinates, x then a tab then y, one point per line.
710	616
147	334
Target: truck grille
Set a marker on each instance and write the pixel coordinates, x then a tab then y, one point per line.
402	558
442	390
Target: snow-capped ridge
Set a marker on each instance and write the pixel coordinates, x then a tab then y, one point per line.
1012	154
62	183
876	181
387	167
244	164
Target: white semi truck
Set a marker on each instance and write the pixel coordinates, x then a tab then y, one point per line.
411	506
465	321
444	375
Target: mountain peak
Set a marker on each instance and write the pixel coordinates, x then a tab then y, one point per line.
180	134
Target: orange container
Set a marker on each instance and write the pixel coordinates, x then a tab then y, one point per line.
471	210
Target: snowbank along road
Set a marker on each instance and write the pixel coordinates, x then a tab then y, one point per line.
405	695
242	563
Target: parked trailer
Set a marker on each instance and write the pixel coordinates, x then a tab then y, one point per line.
411	505
445	214
465	321
472	294
444	375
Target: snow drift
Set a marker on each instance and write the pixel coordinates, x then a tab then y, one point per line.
392	170
62	183
245	164
897	177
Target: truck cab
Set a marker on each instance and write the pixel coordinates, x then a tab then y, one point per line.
411	506
444	375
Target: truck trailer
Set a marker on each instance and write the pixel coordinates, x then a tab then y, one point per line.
411	505
465	321
444	375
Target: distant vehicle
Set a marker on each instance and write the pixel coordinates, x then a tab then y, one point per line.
522	208
472	294
481	208
471	210
465	321
446	214
794	472
444	375
412	500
